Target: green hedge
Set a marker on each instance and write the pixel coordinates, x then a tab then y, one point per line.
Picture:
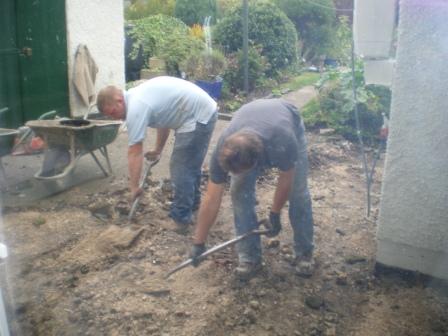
195	11
315	21
269	28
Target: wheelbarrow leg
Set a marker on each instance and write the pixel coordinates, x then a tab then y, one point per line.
99	164
103	151
3	174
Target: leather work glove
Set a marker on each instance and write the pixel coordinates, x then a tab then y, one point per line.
274	225
196	251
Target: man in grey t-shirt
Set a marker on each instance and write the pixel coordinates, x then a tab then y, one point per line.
262	134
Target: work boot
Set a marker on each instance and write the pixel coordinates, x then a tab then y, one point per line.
305	265
174	226
247	270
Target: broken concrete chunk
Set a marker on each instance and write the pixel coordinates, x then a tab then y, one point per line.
354	259
117	237
102	208
326	131
273	243
340	232
39	221
314	302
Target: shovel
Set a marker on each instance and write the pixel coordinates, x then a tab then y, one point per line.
146	170
216	249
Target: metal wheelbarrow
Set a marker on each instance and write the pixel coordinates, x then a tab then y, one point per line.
78	137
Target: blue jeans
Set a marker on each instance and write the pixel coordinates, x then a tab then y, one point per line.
300	210
185	166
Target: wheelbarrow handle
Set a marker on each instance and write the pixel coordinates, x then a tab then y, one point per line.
216	249
26	134
148	166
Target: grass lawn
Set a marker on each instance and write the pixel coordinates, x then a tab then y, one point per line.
304	79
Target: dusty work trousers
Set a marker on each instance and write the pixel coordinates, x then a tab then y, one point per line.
300	210
185	166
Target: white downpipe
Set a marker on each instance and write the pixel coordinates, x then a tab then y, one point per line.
207	34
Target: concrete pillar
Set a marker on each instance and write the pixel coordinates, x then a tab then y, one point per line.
413	222
379	72
373	28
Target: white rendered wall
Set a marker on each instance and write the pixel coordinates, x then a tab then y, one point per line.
373	27
413	221
99	24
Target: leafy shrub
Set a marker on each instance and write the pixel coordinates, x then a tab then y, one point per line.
235	103
269	28
234	75
312	115
342	42
337	108
142	8
165	37
196	11
315	21
204	65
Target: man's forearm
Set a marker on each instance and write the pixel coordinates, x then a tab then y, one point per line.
284	185
162	136
135	161
208	211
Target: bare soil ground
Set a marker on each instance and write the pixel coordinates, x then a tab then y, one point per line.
78	267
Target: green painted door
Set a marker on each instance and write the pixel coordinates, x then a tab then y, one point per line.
10	100
36	64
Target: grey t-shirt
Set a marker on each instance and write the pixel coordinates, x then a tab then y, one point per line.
276	122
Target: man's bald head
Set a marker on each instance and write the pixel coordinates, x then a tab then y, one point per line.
110	101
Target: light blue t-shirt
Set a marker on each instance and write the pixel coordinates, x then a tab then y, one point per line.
166	102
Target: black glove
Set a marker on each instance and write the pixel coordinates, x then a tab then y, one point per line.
274	224
196	251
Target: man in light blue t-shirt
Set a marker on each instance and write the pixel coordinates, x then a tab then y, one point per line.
166	103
